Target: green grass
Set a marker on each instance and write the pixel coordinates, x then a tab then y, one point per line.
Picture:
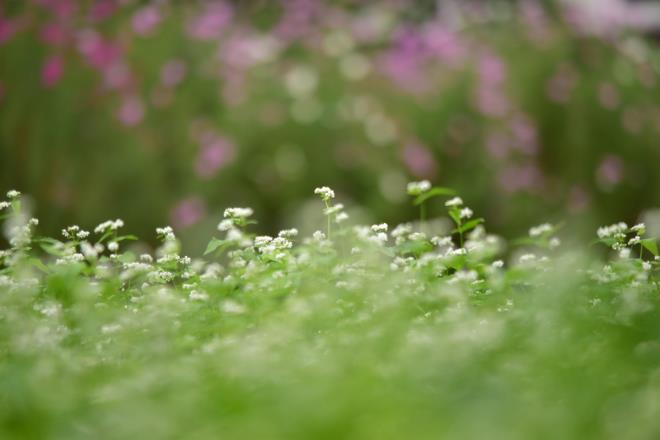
375	334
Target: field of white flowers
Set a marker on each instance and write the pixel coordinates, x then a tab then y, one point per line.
354	332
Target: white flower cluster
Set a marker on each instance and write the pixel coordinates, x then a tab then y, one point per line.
110	225
617	231
13	194
166	233
325	193
74	232
4	205
540	230
454	202
238	213
417	188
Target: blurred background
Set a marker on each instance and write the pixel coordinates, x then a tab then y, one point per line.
166	112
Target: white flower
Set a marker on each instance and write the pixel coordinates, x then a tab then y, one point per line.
318	236
441	241
379	228
12	194
109	225
466	213
325	193
113	246
417	188
4	205
498	264
624	253
646	265
554	243
238	213
225	225
333	209
288	233
639	228
539	230
527	258
35	222
612	231
198	296
456	201
635	240
342	216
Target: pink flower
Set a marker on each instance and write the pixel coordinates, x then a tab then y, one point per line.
419	160
53	34
609	172
215	153
99	54
172	73
102	9
7	29
51	71
188	212
209	23
145	20
131	111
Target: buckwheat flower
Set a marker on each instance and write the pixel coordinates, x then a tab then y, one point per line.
166	232
82	234
401	230
417	188
646	265
526	258
379	228
333	209
113	246
262	240
635	240
466	213
624	253
225	225
325	193
13	194
539	230
417	236
109	225
341	217
639	229
380	238
498	264
288	233
146	258
4	205
238	213
554	243
318	236
33	222
441	241
456	201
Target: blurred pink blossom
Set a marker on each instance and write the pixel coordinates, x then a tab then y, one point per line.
516	178
99	53
53	34
62	9
102	9
211	21
524	131
215	153
131	111
146	19
419	160
609	171
188	212
173	72
7	29
51	71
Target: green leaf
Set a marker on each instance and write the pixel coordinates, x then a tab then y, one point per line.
214	245
651	245
416	248
455	215
126	237
433	192
469	225
39	265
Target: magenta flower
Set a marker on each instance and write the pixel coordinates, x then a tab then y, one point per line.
146	19
419	160
211	21
215	153
131	111
187	212
51	71
53	34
